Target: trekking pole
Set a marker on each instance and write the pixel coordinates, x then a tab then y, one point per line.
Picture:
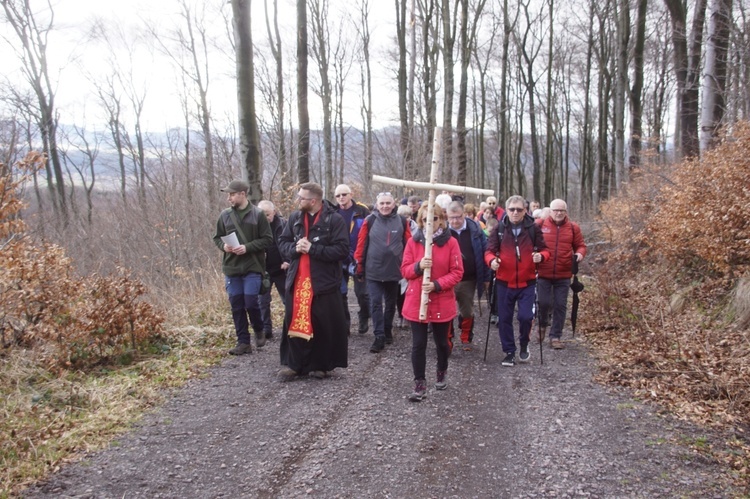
538	315
489	318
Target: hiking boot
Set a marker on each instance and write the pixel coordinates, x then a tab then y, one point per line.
420	391
493	319
525	355
241	349
440	384
388	339
378	345
556	344
363	328
287	374
509	360
318	374
269	335
260	339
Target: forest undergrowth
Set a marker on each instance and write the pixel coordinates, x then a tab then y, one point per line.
669	308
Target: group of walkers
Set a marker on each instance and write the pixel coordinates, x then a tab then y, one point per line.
312	258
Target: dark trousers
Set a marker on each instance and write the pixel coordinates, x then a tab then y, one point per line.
382	293
419	334
277	281
363	301
507	299
553	297
243	298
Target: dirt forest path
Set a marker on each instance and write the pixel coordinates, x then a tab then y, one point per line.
527	431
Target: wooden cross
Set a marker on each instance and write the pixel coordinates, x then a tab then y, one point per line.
432	185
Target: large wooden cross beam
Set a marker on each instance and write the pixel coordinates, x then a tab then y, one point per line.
431	186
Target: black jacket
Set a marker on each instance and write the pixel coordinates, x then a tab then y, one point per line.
273	256
330	247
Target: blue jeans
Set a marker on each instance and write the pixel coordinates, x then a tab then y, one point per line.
553	294
243	298
507	298
382	319
278	282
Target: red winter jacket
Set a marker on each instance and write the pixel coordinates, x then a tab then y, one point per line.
563	241
517	269
447	270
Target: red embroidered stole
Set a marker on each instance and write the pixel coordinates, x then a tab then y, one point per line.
301	325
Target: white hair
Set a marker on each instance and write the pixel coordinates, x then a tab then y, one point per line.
443	200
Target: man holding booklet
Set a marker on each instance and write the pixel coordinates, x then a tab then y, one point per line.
243	233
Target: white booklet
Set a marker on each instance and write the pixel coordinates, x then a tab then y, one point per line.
231	240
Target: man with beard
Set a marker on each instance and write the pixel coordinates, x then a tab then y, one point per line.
243	264
315	241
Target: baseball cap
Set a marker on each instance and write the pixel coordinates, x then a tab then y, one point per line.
236	186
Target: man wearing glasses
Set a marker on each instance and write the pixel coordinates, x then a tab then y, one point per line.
473	243
380	249
315	242
513	251
566	246
354	215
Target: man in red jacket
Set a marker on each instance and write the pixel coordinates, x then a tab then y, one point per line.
513	251
565	242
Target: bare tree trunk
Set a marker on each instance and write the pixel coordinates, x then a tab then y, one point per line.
504	186
449	37
468	37
33	36
403	112
430	51
687	67
483	66
528	51
587	163
274	41
636	91
249	135
715	72
549	162
321	53
303	144
621	84
366	84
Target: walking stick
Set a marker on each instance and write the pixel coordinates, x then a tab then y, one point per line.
538	315
492	308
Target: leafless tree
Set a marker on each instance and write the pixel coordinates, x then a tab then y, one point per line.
32	34
303	147
249	135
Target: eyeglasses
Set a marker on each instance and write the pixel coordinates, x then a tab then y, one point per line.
341	195
516	210
434	219
381	194
559	211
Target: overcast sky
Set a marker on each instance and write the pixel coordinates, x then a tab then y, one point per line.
75	60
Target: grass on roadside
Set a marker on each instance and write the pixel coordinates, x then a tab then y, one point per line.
50	419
